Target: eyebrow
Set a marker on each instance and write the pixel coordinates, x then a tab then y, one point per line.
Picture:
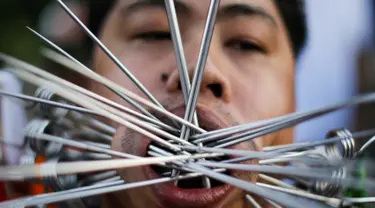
236	10
226	12
144	4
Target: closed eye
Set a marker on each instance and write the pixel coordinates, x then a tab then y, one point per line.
244	46
153	36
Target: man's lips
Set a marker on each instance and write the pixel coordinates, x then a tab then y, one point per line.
174	196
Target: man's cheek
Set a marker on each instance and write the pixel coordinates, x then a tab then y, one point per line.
120	141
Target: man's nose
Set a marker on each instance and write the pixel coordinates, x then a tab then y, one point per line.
213	80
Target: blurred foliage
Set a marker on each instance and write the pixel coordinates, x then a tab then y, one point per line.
15	39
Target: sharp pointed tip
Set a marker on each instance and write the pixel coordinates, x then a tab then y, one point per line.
31	29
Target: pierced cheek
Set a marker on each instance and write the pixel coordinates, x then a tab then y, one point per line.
122	143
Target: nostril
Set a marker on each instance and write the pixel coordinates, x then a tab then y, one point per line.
216	89
179	86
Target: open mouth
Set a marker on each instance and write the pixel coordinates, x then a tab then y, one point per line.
192	192
192	183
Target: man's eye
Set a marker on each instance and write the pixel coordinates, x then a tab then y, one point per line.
244	46
153	36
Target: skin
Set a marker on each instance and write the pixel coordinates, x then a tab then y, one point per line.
250	61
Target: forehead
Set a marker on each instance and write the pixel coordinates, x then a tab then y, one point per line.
199	8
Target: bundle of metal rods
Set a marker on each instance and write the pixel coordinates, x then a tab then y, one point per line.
68	131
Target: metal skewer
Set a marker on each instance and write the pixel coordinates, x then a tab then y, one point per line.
301	116
201	64
278	197
101	107
89	191
252	201
23	172
58	58
178	48
98	177
68	63
74	97
181	65
56	104
328	200
80	145
109	53
260	132
296	147
49	76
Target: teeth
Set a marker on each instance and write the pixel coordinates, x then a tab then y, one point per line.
154	150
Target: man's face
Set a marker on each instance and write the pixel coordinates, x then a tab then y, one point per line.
248	76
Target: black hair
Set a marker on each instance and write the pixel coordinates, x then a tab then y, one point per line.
292	13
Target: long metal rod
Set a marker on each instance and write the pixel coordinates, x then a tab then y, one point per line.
89	191
212	135
22	172
279	197
246	136
96	76
362	200
295	147
248	153
178	48
259	132
138	122
200	66
99	107
314	173
44	198
87	102
109	180
155	151
275	147
21	64
81	145
48	102
273	204
89	121
179	53
109	53
181	65
328	200
129	118
63	60
252	201
111	56
59	59
276	181
366	145
93	104
356	135
175	172
220	133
